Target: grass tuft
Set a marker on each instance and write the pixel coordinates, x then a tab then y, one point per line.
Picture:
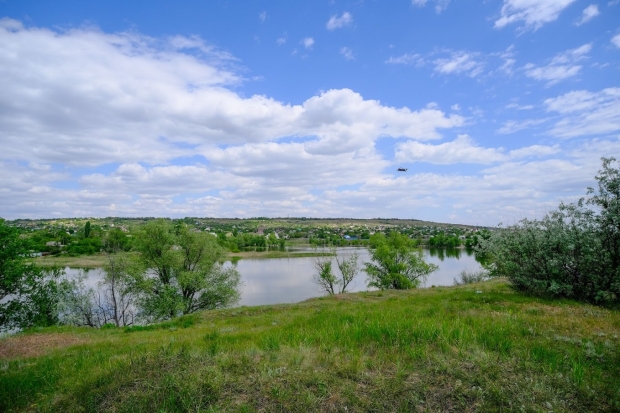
479	347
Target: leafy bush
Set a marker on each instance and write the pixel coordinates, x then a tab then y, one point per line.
573	252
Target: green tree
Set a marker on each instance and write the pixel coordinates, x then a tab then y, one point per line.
28	296
397	263
181	272
116	241
324	277
87	229
571	252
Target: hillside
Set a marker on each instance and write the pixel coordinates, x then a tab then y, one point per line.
480	347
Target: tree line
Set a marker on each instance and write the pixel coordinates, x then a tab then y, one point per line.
176	271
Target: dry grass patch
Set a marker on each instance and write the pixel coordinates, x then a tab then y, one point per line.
35	345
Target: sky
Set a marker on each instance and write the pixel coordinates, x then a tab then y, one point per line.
499	109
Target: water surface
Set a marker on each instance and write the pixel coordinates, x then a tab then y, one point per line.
290	280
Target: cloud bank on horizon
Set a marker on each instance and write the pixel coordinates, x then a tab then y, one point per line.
499	110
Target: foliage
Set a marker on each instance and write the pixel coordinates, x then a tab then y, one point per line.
85	246
396	263
28	295
116	241
327	281
87	229
181	272
469	277
348	267
324	277
443	240
572	252
113	302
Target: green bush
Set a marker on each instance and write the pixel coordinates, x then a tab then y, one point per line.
573	252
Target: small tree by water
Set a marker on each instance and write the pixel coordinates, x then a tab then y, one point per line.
325	278
397	263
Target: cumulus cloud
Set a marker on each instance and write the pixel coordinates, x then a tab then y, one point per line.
561	67
588	14
459	63
586	113
143	126
616	40
464	150
532	13
335	22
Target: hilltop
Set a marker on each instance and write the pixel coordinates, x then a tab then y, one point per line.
479	347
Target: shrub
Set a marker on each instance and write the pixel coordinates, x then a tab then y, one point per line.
573	252
469	277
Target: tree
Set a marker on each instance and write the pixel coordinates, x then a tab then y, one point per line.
396	263
572	252
116	241
324	277
349	268
113	302
28	295
181	272
328	281
87	229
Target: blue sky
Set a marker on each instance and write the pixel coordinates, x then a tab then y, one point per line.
499	109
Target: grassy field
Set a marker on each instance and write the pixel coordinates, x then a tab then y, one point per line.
479	347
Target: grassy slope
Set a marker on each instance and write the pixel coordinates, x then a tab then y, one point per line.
441	349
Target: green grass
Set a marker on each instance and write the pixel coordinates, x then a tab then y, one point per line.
434	350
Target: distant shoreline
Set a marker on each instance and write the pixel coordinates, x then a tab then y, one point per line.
100	260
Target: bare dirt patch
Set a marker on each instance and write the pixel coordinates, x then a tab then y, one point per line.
34	345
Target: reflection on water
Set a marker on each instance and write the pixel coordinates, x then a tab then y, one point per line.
290	280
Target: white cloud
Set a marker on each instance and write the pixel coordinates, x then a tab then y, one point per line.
532	13
347	53
519	107
561	67
281	40
461	150
335	22
586	113
262	16
512	126
406	59
85	99
616	40
588	14
459	62
464	150
308	42
440	5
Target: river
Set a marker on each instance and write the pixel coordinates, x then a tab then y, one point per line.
290	280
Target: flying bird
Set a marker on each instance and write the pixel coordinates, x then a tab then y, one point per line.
402	169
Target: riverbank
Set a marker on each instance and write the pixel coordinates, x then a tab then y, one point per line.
480	347
99	260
